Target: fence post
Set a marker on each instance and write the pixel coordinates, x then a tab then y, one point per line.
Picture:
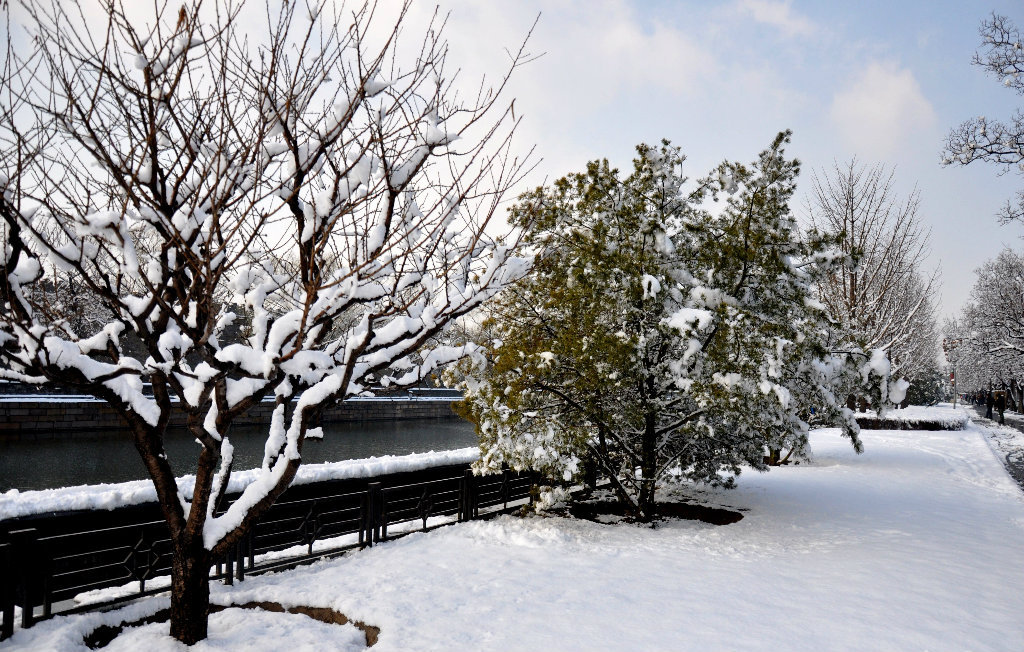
25	544
474	496
240	559
373	506
6	592
467	497
376	491
364	509
250	542
463	490
229	575
506	474
423	507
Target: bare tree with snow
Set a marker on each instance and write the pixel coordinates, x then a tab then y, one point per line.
190	172
994	141
880	297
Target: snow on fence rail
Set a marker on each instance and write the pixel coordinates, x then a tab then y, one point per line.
47	560
916	417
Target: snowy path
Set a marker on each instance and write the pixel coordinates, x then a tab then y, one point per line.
918	544
1008	440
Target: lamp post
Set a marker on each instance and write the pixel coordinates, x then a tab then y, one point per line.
949	347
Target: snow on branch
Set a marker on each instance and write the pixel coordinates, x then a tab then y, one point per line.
240	217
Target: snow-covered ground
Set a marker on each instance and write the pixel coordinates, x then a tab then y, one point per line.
1007	440
918	544
1013	421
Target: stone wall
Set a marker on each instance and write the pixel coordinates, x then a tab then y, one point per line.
35	417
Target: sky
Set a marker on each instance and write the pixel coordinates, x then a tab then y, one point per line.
880	81
876	80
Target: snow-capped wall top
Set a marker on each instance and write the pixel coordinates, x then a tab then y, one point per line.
14	503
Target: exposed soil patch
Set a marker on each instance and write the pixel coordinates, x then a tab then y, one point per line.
104	634
599	510
713	515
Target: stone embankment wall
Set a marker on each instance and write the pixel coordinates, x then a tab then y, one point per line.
34	417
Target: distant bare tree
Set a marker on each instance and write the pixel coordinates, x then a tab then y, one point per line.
995	312
981	359
186	172
879	297
990	327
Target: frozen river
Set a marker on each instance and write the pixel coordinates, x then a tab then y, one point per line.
96	457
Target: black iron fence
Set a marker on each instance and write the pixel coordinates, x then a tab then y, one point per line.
47	560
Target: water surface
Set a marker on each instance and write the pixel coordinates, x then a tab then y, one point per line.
92	458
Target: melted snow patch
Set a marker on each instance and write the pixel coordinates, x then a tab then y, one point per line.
252	630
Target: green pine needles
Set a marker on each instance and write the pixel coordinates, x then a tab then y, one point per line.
668	330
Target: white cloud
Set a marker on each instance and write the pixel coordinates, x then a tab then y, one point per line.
778	14
630	56
600	47
881	110
609	70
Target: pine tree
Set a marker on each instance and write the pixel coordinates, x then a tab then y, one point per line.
655	338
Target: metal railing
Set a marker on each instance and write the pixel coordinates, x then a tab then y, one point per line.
46	561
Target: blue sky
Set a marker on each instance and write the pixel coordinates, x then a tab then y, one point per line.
879	80
882	81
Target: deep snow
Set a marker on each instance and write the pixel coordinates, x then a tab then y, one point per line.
918	544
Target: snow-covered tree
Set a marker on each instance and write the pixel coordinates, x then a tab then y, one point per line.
994	141
931	386
656	339
990	328
878	296
187	172
995	311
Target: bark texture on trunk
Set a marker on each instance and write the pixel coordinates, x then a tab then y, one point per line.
190	597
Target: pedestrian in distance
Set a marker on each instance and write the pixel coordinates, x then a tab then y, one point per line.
989	402
1000	403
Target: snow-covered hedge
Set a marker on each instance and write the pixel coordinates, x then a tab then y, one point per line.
916	417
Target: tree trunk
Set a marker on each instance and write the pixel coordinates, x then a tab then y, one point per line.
649	468
190	594
776	458
646	501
